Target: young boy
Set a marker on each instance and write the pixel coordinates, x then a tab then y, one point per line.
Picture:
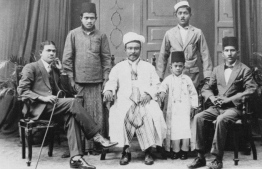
189	39
233	80
182	97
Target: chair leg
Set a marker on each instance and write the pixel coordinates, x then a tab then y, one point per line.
51	142
83	143
29	145
23	141
236	145
253	147
103	154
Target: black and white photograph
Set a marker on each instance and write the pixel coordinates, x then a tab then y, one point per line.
124	84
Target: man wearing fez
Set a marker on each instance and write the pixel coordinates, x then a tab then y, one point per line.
87	61
40	82
187	38
233	81
135	110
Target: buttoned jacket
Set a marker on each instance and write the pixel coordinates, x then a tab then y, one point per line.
195	45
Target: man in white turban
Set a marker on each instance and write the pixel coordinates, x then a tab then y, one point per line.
135	83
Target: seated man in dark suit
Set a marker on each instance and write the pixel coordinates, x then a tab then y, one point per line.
40	83
233	80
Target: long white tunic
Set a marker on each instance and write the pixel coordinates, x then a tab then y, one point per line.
182	97
121	85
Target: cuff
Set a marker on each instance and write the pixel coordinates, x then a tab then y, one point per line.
207	74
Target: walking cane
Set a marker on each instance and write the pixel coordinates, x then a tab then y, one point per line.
49	122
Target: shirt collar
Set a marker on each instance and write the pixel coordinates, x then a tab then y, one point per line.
88	32
179	76
183	28
232	64
46	65
134	62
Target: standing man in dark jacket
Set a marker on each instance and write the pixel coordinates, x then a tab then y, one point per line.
87	61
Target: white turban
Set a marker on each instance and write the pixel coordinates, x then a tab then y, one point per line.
132	36
181	3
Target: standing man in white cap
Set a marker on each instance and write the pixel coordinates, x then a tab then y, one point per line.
189	39
135	110
87	61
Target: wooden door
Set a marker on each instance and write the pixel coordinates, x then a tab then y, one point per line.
116	18
157	17
150	18
223	26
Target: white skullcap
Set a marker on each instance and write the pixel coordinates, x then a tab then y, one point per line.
181	3
132	36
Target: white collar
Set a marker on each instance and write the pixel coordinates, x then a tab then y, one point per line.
233	63
179	76
46	65
183	28
133	62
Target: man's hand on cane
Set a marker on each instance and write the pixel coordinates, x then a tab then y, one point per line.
48	99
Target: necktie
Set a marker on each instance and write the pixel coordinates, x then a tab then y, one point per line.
49	69
229	67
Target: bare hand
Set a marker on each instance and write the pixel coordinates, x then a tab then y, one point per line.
213	99
58	64
108	96
145	99
223	100
104	83
48	99
193	112
162	96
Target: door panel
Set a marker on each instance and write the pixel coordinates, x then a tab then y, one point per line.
223	25
158	17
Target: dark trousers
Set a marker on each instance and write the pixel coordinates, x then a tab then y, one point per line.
76	119
225	118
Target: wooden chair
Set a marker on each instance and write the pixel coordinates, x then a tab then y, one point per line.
109	104
243	124
27	126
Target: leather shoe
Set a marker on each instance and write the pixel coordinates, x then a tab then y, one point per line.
149	159
197	163
66	154
174	155
105	143
183	155
80	164
125	159
246	151
215	164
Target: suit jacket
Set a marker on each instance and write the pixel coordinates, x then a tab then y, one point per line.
34	83
195	43
241	83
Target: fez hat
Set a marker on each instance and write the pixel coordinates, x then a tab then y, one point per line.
181	3
177	56
132	36
88	8
230	41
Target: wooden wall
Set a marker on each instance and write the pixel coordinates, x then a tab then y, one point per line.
152	18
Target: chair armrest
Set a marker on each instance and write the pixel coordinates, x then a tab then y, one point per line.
246	111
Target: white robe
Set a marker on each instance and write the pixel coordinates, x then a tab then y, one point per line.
120	84
182	97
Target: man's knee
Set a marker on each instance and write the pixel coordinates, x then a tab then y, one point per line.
221	119
199	116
